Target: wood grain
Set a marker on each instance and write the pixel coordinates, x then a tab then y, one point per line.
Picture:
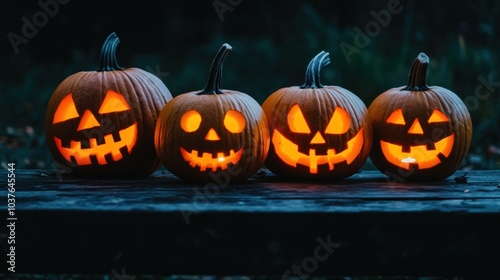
162	225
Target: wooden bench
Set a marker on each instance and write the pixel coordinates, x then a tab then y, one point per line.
265	226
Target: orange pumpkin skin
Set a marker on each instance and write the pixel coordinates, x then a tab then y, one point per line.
101	123
317	132
212	135
421	133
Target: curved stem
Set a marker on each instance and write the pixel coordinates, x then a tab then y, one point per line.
215	74
313	70
107	61
418	74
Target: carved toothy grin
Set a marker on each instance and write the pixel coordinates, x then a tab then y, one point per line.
102	154
419	154
289	153
207	160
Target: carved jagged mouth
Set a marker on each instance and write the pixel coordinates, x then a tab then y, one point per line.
289	153
207	160
101	154
418	154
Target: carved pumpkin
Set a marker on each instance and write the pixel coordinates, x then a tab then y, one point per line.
316	131
211	134
102	122
420	132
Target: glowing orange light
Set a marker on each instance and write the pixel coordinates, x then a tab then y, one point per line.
81	156
191	121
437	116
66	110
206	161
212	135
340	122
289	153
88	121
296	120
113	102
234	121
416	128
418	154
396	117
318	139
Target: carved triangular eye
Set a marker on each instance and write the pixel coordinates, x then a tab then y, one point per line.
113	102
66	110
339	123
437	116
296	120
396	117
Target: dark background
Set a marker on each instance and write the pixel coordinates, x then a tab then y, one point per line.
272	43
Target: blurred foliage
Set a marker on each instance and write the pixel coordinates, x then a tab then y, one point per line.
273	41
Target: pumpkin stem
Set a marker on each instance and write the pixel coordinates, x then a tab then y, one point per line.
313	70
215	74
418	74
107	61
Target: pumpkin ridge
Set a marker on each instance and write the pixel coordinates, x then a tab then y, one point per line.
148	103
151	78
348	102
145	105
90	89
202	160
462	127
276	105
138	74
416	160
392	104
359	109
296	149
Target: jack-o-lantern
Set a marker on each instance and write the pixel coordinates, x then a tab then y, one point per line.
102	122
212	134
317	132
420	132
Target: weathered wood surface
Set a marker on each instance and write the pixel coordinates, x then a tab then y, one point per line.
365	191
161	225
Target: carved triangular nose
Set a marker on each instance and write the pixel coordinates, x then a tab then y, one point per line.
416	128
318	139
88	121
212	135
